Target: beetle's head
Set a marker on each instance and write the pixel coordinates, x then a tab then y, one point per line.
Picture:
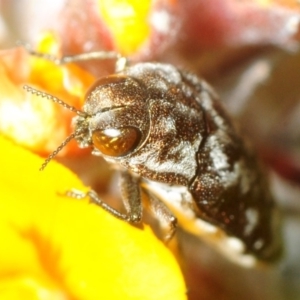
113	119
115	123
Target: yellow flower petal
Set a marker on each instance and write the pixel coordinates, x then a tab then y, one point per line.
55	247
127	20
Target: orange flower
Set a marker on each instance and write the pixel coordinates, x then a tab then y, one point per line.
31	121
55	247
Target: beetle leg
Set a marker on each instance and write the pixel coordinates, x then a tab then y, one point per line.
121	61
94	198
131	196
163	214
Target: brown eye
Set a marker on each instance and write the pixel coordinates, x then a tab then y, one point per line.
116	142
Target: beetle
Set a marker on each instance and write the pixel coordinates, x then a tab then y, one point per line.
171	139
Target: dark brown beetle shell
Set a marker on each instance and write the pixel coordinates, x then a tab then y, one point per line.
187	139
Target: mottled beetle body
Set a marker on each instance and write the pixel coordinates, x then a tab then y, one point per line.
172	141
167	126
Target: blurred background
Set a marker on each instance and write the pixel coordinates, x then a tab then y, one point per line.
247	50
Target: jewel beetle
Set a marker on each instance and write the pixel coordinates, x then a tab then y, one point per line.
172	141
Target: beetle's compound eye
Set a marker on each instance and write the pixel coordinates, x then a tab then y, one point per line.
116	142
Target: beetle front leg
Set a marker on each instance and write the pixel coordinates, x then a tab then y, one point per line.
131	196
94	198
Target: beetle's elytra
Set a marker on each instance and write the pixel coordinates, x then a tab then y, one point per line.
167	132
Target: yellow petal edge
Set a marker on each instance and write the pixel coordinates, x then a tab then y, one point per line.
55	247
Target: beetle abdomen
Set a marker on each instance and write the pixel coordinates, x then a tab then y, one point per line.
229	188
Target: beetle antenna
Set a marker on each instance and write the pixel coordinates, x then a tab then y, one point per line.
65	105
58	149
53	98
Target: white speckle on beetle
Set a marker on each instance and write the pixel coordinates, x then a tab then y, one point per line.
235	244
258	244
252	220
